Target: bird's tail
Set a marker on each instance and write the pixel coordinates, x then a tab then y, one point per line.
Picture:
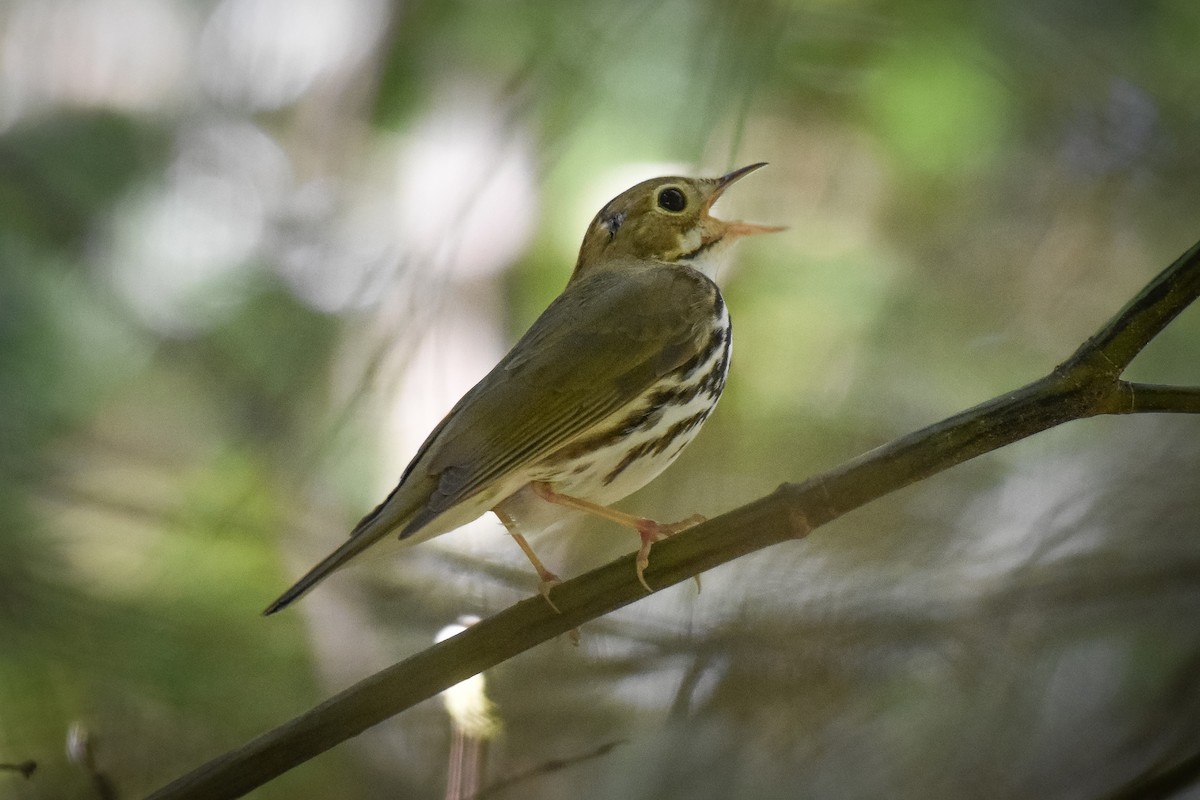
331	562
373	527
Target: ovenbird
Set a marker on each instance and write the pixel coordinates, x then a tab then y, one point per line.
601	394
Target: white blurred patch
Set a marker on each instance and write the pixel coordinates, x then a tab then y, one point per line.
453	199
264	54
123	54
179	250
467	702
1031	516
466	200
335	244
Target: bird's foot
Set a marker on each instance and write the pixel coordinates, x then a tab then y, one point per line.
547	580
651	532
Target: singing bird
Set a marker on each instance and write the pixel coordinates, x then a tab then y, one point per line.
601	394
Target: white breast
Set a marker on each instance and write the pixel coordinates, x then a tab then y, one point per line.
657	431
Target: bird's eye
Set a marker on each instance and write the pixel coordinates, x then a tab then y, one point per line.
671	199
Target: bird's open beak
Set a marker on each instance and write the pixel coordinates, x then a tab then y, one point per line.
716	229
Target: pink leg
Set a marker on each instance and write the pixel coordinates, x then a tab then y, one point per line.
649	530
547	580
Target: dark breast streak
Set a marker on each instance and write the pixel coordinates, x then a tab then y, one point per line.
698	383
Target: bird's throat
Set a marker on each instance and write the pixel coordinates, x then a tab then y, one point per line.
705	257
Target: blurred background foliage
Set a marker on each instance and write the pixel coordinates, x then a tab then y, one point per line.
251	250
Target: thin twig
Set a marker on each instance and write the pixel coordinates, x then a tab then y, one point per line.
546	768
26	768
1085	385
1162	783
1145	397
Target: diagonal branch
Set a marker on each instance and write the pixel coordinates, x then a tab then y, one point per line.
1085	385
1145	315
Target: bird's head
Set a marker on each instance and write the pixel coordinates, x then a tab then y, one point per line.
665	220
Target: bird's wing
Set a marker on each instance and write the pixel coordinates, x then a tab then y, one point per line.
595	349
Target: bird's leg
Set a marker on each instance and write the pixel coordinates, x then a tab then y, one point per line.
547	580
648	530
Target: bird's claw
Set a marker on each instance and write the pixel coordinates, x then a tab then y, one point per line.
546	582
651	532
643	561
